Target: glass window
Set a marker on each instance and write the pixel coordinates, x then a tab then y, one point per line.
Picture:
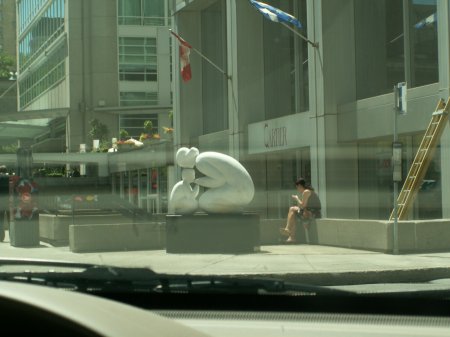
423	42
380	61
215	105
381	58
376	186
375	180
429	197
142	12
285	64
153	12
137	59
129	12
42	33
45	77
284	168
28	11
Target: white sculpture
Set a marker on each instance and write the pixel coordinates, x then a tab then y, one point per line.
229	186
182	199
186	157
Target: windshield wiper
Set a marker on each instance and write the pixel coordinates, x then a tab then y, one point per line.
93	278
234	284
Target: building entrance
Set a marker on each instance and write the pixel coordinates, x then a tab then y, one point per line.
282	170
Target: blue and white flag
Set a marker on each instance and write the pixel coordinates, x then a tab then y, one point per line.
427	22
275	14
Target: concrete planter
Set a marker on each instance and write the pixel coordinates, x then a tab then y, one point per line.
116	237
54	229
126	147
24	233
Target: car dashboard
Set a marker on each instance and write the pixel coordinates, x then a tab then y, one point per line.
40	310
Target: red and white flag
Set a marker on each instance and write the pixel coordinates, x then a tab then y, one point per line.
185	50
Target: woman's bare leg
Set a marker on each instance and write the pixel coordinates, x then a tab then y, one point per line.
290	228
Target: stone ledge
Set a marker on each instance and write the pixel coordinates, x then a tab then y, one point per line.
116	237
374	235
415	236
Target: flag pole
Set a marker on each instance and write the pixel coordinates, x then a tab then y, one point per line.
208	60
314	44
211	62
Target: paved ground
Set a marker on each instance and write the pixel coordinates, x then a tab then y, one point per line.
304	263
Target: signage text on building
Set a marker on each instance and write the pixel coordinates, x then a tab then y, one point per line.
275	137
288	132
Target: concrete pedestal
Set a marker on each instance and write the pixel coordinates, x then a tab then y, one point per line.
212	233
24	233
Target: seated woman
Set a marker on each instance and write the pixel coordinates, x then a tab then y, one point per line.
307	209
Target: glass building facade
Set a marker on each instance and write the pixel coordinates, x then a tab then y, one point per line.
41	25
285	57
395	41
137	59
144	66
325	113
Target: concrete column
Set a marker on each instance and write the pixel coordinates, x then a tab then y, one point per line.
443	12
233	110
335	162
316	105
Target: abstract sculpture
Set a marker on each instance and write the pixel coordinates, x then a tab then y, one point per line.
228	185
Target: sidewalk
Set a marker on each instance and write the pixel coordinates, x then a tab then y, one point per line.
300	263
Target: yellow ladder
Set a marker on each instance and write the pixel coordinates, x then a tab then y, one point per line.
422	160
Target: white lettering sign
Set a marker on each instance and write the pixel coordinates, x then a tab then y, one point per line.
282	133
275	137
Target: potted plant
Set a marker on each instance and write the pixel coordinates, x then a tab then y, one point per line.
124	144
123	134
168	130
149	137
98	132
143	137
148	126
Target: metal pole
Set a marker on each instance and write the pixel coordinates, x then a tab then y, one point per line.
205	58
211	62
399	105
314	44
395	236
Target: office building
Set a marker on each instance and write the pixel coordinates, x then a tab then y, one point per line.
322	109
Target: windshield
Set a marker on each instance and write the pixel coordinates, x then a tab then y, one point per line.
293	139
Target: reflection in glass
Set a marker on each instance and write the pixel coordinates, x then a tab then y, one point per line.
423	42
214	91
285	64
380	61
